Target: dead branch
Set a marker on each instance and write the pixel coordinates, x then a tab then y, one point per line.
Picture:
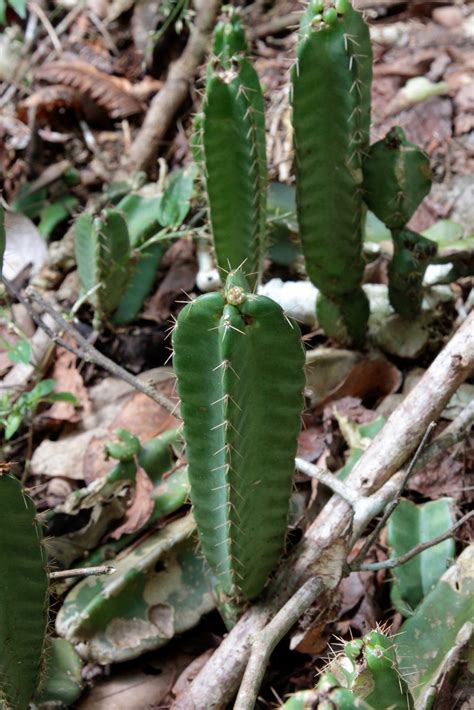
166	103
218	681
402	559
82	572
85	350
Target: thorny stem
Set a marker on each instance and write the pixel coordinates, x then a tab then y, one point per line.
82	572
397	561
393	504
86	351
266	640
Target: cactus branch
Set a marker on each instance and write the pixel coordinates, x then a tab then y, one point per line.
219	679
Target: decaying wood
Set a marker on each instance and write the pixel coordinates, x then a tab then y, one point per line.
218	682
176	88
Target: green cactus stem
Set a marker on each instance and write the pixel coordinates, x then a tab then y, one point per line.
233	132
411	256
239	364
23	596
331	116
397	177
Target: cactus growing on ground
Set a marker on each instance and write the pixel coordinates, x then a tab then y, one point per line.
23	596
239	364
331	116
233	135
397	177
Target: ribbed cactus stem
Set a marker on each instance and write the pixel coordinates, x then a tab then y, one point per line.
239	364
233	133
331	117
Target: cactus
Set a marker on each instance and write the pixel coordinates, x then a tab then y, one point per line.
331	116
61	684
374	675
397	178
411	256
233	133
239	364
102	249
23	596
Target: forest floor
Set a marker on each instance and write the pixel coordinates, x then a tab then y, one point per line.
76	81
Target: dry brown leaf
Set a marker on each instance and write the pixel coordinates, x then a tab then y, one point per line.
370	379
180	278
47	99
141	507
68	379
311	443
110	92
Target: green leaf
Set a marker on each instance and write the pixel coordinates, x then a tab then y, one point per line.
19	6
29	203
13	424
41	390
125	451
52	215
408	526
140	284
20	352
141	214
63	397
426	640
176	201
3	10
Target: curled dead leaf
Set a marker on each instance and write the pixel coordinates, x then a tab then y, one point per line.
140	509
110	92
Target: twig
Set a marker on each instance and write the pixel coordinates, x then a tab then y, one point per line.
275	26
82	572
39	12
86	351
393	504
266	640
397	561
218	681
454	432
329	480
176	88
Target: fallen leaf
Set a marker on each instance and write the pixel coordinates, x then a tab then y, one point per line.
180	263
138	513
24	246
369	380
311	443
68	379
47	99
110	92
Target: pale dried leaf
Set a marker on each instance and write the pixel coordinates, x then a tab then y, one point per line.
141	507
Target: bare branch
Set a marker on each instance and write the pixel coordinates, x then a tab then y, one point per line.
328	479
397	561
82	572
86	351
266	640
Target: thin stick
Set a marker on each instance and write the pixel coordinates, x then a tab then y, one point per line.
266	640
397	561
393	504
329	480
82	572
86	351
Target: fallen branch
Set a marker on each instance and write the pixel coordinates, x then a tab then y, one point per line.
372	538
266	641
82	572
218	681
86	351
402	559
166	103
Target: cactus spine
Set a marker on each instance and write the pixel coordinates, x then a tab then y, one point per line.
331	116
23	596
396	179
233	133
239	364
